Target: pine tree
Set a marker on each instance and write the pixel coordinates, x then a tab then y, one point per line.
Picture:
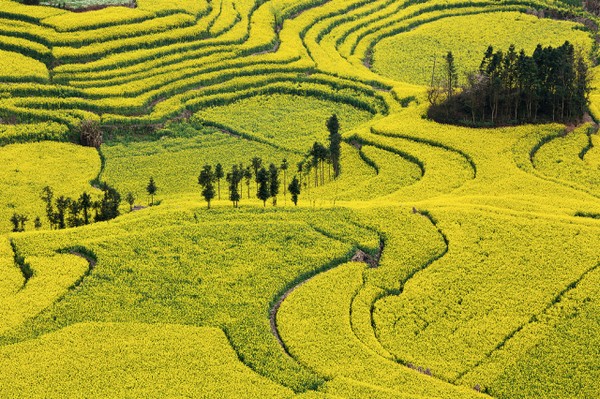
62	203
73	220
295	190
263	192
451	75
108	207
219	174
248	178
582	86
151	189
48	196
14	219
335	142
299	170
206	179
233	179
85	202
22	220
274	182
284	167
130	198
256	165
318	155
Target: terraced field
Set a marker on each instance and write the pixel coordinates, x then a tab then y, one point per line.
443	262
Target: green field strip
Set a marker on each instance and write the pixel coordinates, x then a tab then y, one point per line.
360	318
138	72
122	16
238	86
51	277
11	134
408	56
592	156
540	336
526	149
436	163
395	171
349	388
363	19
101	352
355	173
15	67
25	169
225	20
555	303
197	76
26	47
279	128
25	115
366	39
406	18
71	22
311	21
560	159
98	50
28	31
431	143
315	316
465	336
261	352
81	39
20	12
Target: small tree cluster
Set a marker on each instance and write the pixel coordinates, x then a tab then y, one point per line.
64	212
320	156
234	178
18	221
268	183
151	189
510	87
206	180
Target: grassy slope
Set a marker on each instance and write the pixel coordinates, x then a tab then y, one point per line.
493	206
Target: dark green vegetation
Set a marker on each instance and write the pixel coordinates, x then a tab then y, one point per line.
508	88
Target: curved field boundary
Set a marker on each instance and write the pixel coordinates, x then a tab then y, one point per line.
432	143
411	274
530	168
300	281
23	266
554	303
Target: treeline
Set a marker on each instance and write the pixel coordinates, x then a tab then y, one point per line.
267	178
63	212
320	156
553	84
267	181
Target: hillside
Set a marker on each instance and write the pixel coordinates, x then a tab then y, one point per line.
443	262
